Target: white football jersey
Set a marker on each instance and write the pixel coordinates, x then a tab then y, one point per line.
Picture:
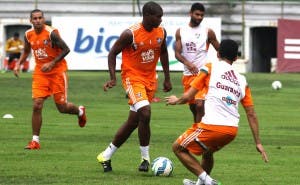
225	91
194	45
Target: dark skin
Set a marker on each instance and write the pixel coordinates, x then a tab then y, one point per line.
196	18
141	118
38	21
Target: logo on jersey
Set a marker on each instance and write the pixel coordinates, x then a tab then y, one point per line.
229	101
41	53
191	47
147	56
138	95
227	88
197	35
45	42
230	76
159	40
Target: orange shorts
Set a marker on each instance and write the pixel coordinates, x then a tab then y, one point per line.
186	81
213	136
138	91
44	86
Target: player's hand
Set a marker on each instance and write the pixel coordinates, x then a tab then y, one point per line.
193	69
262	151
17	69
48	66
171	100
167	86
109	84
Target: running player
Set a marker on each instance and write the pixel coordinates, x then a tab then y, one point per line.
49	76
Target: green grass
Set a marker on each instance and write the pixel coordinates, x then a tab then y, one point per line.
68	154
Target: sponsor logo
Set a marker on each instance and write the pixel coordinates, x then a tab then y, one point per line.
85	43
147	56
229	101
236	92
230	76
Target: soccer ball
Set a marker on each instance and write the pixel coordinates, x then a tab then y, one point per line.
276	85
162	166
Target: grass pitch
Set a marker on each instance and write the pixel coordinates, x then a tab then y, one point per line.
68	153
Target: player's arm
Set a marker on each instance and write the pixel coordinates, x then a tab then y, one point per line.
212	39
23	57
198	82
125	40
164	59
178	50
58	42
253	122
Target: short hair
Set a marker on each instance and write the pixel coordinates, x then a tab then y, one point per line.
197	6
16	34
228	49
151	8
35	11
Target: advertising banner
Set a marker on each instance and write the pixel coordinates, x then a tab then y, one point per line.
90	38
288	46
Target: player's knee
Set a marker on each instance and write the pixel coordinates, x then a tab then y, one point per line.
37	106
144	114
176	148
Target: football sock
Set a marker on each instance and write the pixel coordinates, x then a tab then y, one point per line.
36	138
109	151
80	112
204	177
145	152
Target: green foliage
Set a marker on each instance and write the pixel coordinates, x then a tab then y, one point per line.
68	153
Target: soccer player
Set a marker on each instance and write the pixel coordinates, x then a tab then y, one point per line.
191	47
219	125
141	45
49	76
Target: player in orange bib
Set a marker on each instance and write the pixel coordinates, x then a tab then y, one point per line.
49	76
141	45
219	125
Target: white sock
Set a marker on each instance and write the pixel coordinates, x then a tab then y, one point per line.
109	151
145	152
80	111
36	138
204	177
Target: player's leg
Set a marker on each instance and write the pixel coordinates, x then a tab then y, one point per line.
40	91
186	81
144	133
58	85
207	161
120	137
147	92
185	147
193	110
188	160
199	110
36	123
126	129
